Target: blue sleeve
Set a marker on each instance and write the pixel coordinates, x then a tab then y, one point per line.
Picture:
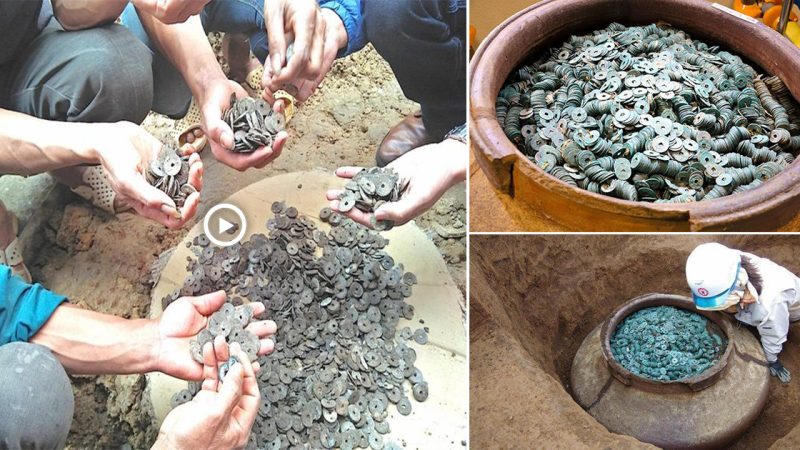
24	308
351	13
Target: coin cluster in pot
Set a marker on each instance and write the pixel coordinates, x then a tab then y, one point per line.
667	343
371	188
254	123
170	173
648	114
340	362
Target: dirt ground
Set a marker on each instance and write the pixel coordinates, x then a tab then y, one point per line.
533	299
103	263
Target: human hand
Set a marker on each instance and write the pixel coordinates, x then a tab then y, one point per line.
184	319
213	101
776	369
170	11
300	84
125	151
430	170
221	415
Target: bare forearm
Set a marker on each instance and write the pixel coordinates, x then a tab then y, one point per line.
87	342
29	145
82	14
186	46
457	161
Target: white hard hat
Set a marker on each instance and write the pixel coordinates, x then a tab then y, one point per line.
712	271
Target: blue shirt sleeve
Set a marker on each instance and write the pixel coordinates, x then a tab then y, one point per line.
24	308
351	13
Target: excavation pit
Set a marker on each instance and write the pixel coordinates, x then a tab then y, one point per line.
533	301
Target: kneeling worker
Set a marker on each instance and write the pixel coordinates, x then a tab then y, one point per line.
758	291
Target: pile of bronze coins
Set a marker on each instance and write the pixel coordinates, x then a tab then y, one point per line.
648	114
370	189
340	362
254	123
667	343
170	173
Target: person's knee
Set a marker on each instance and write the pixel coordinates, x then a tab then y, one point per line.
37	398
119	78
384	20
396	28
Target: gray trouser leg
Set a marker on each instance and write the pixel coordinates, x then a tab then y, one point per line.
101	74
36	398
171	95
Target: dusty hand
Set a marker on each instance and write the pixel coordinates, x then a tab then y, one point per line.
300	82
186	317
213	101
299	21
171	11
221	414
778	370
430	170
125	151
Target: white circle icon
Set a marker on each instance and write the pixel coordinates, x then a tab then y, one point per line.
218	228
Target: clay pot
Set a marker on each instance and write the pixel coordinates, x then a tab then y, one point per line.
709	410
549	23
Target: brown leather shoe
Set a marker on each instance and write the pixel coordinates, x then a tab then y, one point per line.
407	135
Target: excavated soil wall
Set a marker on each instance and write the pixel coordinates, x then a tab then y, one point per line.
533	299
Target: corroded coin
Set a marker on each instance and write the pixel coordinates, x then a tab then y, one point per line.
180	398
420	336
197	351
420	391
404	406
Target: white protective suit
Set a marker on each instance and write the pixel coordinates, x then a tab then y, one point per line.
777	305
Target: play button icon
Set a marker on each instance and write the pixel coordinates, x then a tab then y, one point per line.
224	224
